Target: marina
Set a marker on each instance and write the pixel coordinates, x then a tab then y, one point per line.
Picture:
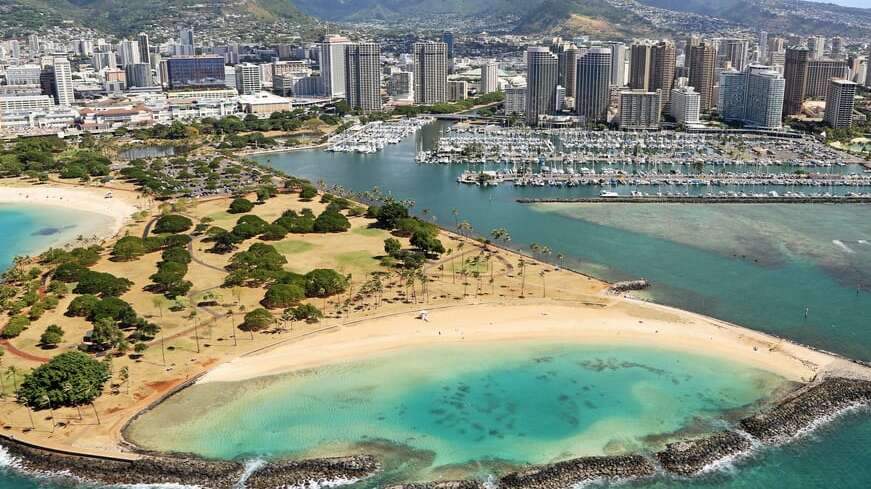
374	136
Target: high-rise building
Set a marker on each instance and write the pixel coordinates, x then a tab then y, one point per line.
618	63
817	46
144	48
701	60
685	105
33	43
515	100
762	47
568	60
651	68
458	90
186	36
128	52
868	68
839	103
736	52
63	82
640	109
23	74
819	72
448	39
542	72
248	80
195	72
489	77
795	72
430	72
593	84
775	45
138	75
401	84
363	74
332	62
837	47
753	97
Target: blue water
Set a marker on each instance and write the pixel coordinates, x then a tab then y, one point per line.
708	260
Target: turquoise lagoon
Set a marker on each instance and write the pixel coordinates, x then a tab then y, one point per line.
30	229
462	410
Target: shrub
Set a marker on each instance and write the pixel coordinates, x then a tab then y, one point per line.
172	223
390	213
115	309
306	312
16	325
103	284
392	246
283	295
324	282
249	226
82	306
257	320
48	384
52	336
331	222
176	241
295	223
128	248
176	254
68	272
308	192
240	206
274	232
427	243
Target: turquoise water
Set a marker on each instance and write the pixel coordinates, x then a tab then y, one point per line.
464	409
29	229
759	266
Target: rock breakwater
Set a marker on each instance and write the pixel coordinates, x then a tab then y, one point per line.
691	456
441	485
300	473
806	406
571	472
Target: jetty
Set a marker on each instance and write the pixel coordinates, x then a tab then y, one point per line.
706	199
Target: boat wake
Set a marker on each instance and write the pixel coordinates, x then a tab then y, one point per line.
840	244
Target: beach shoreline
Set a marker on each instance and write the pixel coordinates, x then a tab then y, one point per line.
119	208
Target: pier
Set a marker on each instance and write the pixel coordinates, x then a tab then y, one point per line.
705	199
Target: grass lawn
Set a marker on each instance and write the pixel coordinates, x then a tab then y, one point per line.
371	232
291	246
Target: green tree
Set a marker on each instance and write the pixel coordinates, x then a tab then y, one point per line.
324	282
240	206
45	384
392	246
257	320
283	295
106	333
52	336
104	284
172	223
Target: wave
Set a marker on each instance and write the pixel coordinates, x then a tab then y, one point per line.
840	244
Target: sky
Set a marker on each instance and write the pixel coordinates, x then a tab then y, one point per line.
848	3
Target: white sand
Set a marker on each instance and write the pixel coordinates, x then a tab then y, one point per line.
623	322
119	207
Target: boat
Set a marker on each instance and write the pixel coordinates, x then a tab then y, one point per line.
608	194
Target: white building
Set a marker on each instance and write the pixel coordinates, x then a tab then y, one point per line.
515	100
753	97
618	63
458	90
128	52
542	72
640	110
363	76
593	83
332	62
25	103
839	103
489	77
685	106
63	82
23	74
248	79
401	85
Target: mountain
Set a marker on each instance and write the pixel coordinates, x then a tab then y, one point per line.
597	17
125	17
786	16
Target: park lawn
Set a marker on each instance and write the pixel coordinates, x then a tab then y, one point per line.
293	246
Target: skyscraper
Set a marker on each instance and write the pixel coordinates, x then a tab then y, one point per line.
448	39
542	71
195	72
685	105
63	82
618	63
868	68
430	72
489	77
819	72
754	97
701	60
735	52
817	46
568	69
363	70
128	52
186	36
248	79
640	110
839	103
138	75
837	47
651	68
332	62
144	48
795	73
593	85
762	47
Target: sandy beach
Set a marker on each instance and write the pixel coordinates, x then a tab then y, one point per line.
620	322
119	207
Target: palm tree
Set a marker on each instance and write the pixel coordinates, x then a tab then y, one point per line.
543	283
68	388
287	316
193	316
560	257
522	265
232	325
124	373
456	214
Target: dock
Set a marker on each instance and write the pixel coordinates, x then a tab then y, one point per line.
703	199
